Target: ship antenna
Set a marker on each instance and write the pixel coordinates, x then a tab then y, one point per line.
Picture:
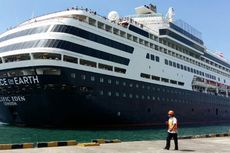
170	14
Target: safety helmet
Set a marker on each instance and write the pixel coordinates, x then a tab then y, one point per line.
171	113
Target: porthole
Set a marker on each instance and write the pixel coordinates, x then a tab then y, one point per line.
130	96
101	92
83	77
73	75
92	78
101	80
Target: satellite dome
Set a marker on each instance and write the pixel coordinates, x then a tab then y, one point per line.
113	16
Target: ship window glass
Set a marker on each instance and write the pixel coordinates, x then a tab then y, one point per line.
48	71
188	69
137	86
3	74
70	59
101	80
166	62
173	82
92	78
120	70
164	80
15	73
147	76
25	32
178	65
124	94
181	83
117	82
101	92
70	47
73	75
137	96
109	93
143	97
147	55
16	58
83	77
174	64
92	22
130	96
117	94
88	63
185	68
155	78
105	67
124	83
157	59
170	63
152	57
192	70
50	56
182	67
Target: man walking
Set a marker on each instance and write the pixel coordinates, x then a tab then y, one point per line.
172	130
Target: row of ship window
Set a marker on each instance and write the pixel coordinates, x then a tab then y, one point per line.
154	98
44	29
92	37
148	44
31	71
36	30
71	59
204	59
124	83
157	78
186	68
153	57
61	44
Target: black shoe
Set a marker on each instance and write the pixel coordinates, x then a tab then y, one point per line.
176	149
166	148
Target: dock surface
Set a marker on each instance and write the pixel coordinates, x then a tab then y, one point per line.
202	145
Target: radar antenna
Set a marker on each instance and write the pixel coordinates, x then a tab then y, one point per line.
113	16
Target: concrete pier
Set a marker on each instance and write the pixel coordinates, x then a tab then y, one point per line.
202	145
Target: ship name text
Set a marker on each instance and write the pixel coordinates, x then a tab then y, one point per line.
25	80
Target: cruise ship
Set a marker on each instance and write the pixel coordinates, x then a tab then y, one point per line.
75	68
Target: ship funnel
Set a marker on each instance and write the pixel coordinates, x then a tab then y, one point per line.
113	16
170	14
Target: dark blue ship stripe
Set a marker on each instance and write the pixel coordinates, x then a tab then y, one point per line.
62	44
93	37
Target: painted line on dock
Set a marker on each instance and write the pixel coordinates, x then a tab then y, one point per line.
205	136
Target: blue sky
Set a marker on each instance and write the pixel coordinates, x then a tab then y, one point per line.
211	17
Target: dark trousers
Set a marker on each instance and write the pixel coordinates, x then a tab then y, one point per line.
169	137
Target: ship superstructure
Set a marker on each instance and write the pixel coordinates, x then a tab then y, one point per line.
77	68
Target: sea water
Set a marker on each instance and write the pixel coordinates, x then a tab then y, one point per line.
11	134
